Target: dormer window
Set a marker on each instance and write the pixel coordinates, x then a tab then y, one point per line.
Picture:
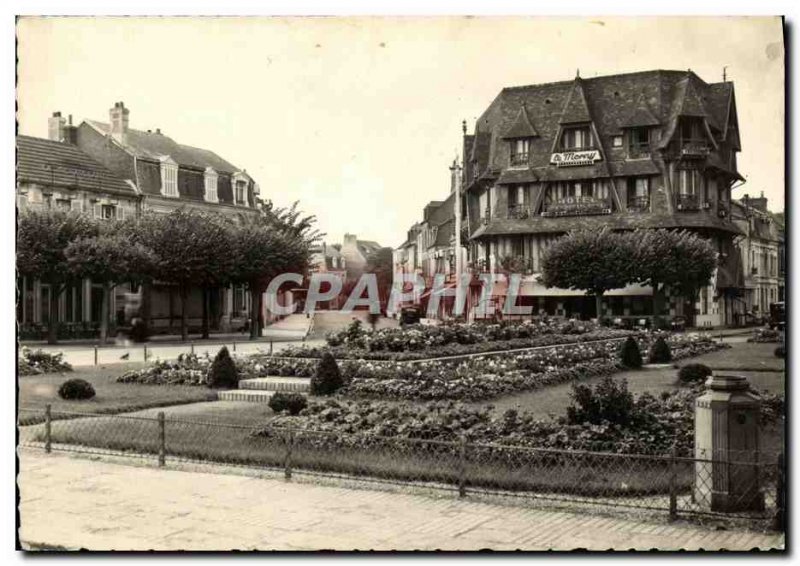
520	149
240	182
211	178
577	138
169	177
639	142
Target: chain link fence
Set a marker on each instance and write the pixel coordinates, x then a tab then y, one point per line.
746	485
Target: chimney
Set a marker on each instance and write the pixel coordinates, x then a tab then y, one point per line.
118	118
55	127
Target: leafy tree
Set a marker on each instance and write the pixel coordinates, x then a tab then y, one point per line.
109	258
278	241
381	264
671	258
42	240
191	249
591	261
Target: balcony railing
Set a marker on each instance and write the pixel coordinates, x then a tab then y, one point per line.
688	203
693	147
639	204
519	159
518	211
577	206
639	150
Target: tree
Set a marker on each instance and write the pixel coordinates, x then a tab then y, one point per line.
671	258
381	264
278	240
42	239
592	261
109	258
191	249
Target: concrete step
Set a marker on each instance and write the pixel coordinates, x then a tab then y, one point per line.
296	384
245	395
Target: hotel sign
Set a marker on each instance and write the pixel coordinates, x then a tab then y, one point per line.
575	158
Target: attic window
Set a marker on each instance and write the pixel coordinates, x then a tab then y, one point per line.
577	138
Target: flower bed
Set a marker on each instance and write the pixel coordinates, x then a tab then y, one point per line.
767	335
35	362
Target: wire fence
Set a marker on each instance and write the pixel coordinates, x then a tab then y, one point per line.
744	485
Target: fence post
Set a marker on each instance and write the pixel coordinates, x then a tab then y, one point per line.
234	345
47	426
162	440
673	484
780	497
287	463
462	466
145	352
95	355
270	347
191	346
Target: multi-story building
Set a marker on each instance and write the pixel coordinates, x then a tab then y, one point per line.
761	250
328	259
653	149
54	174
356	253
154	173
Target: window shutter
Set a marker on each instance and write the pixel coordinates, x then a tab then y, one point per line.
98	211
121	212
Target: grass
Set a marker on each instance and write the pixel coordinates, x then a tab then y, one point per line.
36	391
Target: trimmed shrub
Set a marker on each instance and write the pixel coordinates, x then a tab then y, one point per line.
76	389
610	401
660	352
291	402
694	373
223	373
630	356
780	352
327	379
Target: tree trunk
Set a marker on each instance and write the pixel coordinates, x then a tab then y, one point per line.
104	314
254	307
655	305
598	301
52	326
184	318
144	309
206	300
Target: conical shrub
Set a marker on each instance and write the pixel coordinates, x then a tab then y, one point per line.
327	379
630	356
660	352
223	373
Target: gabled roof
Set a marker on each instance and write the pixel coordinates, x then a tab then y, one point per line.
576	109
444	232
641	115
55	163
522	126
689	100
154	145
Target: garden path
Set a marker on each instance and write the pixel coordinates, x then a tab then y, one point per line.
72	502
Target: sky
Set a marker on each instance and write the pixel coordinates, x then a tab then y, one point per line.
360	118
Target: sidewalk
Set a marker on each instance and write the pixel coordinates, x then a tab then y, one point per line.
72	502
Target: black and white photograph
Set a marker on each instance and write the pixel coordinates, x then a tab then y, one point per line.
400	283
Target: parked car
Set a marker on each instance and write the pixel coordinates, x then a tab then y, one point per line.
410	315
777	315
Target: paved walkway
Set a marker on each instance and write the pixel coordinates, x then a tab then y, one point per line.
72	502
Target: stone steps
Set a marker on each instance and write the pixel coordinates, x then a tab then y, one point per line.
293	384
249	395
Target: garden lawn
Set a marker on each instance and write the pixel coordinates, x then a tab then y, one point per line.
743	356
36	391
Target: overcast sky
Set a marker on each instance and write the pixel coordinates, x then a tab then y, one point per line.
359	119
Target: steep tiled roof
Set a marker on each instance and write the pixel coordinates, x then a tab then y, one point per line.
62	164
154	145
576	108
443	212
444	233
522	126
640	115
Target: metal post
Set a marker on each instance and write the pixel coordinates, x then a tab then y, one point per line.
95	355
162	440
673	484
47	427
234	345
191	346
287	464
462	466
145	352
780	497
270	347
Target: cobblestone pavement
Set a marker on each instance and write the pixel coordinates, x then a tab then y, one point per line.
74	502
